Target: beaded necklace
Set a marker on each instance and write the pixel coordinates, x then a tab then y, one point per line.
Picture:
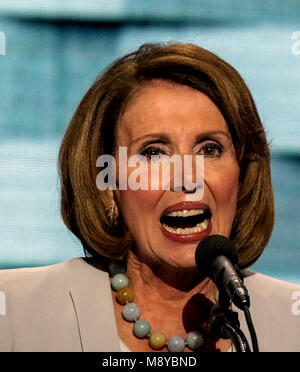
142	328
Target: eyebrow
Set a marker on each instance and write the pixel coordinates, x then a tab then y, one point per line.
163	137
201	136
154	136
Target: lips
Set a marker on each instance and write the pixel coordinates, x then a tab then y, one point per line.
186	221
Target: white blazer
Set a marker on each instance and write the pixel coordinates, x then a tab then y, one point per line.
68	307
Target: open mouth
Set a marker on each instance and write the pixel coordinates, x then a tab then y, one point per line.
186	221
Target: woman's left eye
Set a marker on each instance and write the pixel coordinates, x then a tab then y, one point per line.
211	149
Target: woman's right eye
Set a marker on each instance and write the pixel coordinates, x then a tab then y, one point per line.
152	151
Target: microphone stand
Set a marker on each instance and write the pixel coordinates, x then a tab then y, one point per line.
225	324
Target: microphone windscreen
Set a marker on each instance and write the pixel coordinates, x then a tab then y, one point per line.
210	248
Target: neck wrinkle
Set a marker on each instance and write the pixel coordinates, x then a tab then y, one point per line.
176	288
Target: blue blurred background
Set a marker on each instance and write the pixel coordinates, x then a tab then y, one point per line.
52	51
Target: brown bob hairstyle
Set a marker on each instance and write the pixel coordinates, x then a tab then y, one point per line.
91	133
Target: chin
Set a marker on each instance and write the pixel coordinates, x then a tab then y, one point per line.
184	262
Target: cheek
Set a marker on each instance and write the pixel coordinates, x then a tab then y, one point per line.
224	185
136	205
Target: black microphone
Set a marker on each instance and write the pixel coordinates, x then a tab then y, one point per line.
215	257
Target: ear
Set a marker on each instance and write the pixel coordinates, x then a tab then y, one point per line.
115	196
113	204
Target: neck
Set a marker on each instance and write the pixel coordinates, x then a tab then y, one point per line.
173	301
166	283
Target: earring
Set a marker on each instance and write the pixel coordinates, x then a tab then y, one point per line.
112	212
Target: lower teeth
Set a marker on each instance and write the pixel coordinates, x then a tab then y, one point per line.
189	230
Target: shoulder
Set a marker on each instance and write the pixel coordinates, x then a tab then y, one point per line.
275	310
55	307
71	270
274	291
41	285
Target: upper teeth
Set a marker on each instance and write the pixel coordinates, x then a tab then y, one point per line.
200	227
185	213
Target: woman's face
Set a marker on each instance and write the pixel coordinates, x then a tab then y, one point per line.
167	225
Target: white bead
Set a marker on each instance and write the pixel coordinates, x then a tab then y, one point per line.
131	312
119	281
176	344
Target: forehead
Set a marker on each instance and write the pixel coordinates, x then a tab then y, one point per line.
165	106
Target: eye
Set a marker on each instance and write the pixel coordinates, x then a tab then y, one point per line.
212	149
152	151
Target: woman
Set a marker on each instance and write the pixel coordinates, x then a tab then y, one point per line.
161	100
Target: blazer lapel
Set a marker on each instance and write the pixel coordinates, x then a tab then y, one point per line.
95	315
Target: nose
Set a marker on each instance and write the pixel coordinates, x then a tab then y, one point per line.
187	191
192	176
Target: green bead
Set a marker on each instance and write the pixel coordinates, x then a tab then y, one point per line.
116	267
141	328
194	340
157	340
